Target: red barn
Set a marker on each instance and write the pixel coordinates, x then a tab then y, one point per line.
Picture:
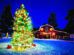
48	31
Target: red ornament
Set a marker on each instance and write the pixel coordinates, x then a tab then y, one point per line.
9	47
34	45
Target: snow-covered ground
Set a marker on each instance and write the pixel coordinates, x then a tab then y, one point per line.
43	47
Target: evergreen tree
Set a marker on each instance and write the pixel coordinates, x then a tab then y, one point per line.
70	26
0	28
7	19
22	35
52	20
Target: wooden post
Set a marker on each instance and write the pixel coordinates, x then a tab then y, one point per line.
7	34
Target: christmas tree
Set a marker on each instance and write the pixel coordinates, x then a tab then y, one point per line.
22	35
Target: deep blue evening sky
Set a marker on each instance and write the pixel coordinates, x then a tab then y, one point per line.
40	9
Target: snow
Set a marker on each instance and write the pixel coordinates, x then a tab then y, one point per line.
43	47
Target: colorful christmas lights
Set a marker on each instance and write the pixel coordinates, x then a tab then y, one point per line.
22	35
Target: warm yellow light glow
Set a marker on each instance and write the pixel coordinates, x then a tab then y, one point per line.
51	29
41	29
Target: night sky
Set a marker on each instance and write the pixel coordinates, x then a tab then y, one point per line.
40	10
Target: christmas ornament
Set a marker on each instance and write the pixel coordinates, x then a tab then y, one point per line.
22	35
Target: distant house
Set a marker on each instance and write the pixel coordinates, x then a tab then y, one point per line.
47	31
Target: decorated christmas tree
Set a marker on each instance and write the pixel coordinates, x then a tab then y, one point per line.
23	34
